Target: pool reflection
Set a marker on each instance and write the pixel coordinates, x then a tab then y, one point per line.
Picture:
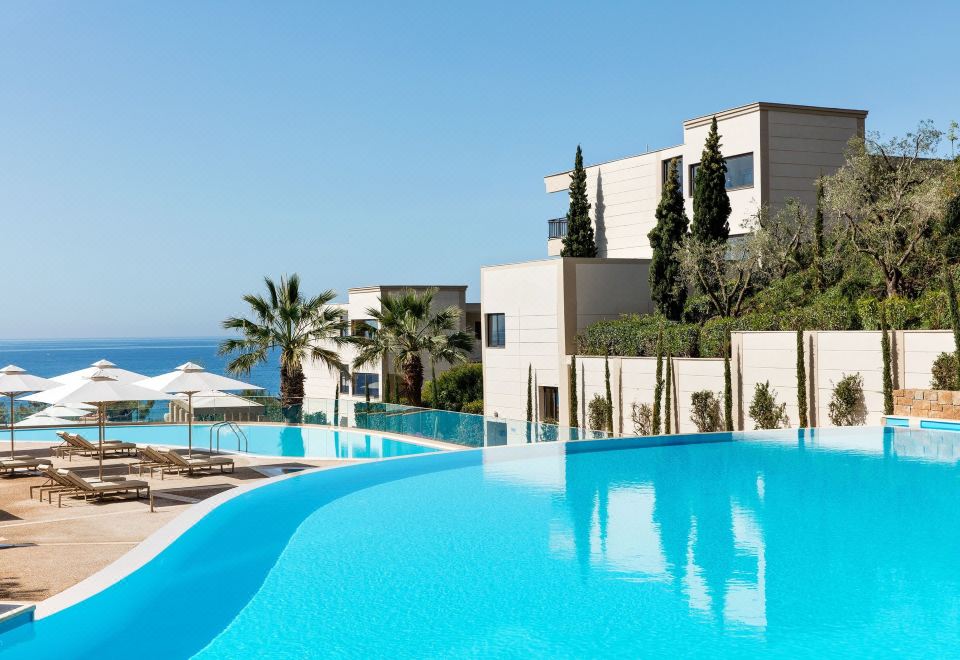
752	533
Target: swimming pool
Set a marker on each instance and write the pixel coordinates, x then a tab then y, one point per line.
263	439
826	543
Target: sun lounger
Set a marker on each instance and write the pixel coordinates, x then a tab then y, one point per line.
57	482
177	463
58	450
150	458
11	464
87	487
80	445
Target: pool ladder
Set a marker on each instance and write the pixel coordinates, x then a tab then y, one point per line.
237	431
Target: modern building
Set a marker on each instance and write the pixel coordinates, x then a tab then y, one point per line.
532	314
354	384
773	151
533	311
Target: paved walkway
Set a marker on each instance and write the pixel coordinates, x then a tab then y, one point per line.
45	549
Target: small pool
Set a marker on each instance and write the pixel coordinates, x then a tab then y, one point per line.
832	543
263	439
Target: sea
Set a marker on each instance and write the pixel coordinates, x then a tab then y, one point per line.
148	356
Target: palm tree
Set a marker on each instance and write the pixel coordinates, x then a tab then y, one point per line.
286	321
409	330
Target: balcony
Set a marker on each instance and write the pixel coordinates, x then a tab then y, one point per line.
556	228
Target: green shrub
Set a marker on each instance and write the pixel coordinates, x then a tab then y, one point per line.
315	418
705	411
473	407
765	412
847	407
933	310
598	413
642	418
457	386
901	313
633	335
944	372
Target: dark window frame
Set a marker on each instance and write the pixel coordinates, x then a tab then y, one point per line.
691	173
367	378
493	335
665	170
363	327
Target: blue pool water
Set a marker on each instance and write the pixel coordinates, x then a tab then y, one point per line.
785	544
262	439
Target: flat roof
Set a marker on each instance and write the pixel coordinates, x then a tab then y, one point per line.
765	105
380	287
733	112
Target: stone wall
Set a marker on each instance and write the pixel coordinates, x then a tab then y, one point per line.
936	404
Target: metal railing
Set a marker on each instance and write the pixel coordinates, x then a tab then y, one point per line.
233	412
556	228
237	431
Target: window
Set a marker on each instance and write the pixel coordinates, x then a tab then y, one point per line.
496	333
363	327
739	172
549	404
345	330
363	382
665	172
344	381
477	330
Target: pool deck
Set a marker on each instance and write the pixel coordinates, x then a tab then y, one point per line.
45	549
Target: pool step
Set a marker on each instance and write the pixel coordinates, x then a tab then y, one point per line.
13	614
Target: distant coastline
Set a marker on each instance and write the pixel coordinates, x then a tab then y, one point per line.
150	356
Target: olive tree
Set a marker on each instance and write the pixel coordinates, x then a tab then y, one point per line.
890	194
726	272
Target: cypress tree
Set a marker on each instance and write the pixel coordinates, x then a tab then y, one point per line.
885	356
948	230
579	241
727	386
819	283
529	400
336	405
668	413
574	423
529	392
711	205
658	386
536	414
666	284
606	378
801	381
954	318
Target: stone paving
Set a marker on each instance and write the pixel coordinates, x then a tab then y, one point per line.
45	549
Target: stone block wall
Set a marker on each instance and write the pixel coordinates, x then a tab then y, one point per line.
936	404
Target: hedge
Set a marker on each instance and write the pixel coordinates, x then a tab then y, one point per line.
635	335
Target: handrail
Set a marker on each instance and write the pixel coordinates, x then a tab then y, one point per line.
237	431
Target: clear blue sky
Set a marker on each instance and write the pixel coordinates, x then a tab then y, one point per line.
158	158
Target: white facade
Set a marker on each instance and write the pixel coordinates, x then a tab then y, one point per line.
787	147
322	383
543	305
774	152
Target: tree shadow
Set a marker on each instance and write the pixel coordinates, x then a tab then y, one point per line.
12	589
599	207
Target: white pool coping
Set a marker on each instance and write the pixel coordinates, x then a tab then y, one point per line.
402	437
149	548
